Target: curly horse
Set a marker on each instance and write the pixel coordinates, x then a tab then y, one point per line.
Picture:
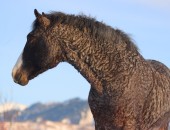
127	91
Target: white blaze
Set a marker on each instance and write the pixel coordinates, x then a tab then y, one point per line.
17	65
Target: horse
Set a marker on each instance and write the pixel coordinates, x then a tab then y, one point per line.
128	92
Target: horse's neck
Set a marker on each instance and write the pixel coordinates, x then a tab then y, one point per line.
81	51
96	62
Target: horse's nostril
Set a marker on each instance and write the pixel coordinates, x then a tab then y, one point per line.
18	78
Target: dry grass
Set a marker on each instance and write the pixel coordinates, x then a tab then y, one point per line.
45	125
3	126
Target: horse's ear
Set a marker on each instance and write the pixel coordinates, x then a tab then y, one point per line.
37	14
43	14
42	19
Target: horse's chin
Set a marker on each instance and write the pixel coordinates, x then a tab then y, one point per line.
23	83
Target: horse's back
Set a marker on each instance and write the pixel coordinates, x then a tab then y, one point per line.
160	95
160	67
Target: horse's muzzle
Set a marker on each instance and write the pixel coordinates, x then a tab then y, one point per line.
20	77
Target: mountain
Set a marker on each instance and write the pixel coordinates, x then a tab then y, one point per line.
9	111
73	114
11	106
74	111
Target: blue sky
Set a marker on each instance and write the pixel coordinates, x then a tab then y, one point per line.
147	22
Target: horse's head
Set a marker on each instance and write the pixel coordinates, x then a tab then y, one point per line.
40	52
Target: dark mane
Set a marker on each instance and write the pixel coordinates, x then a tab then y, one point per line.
96	29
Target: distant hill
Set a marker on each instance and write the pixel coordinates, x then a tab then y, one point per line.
9	111
11	106
74	111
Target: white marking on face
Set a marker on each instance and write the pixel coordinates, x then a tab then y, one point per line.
17	66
